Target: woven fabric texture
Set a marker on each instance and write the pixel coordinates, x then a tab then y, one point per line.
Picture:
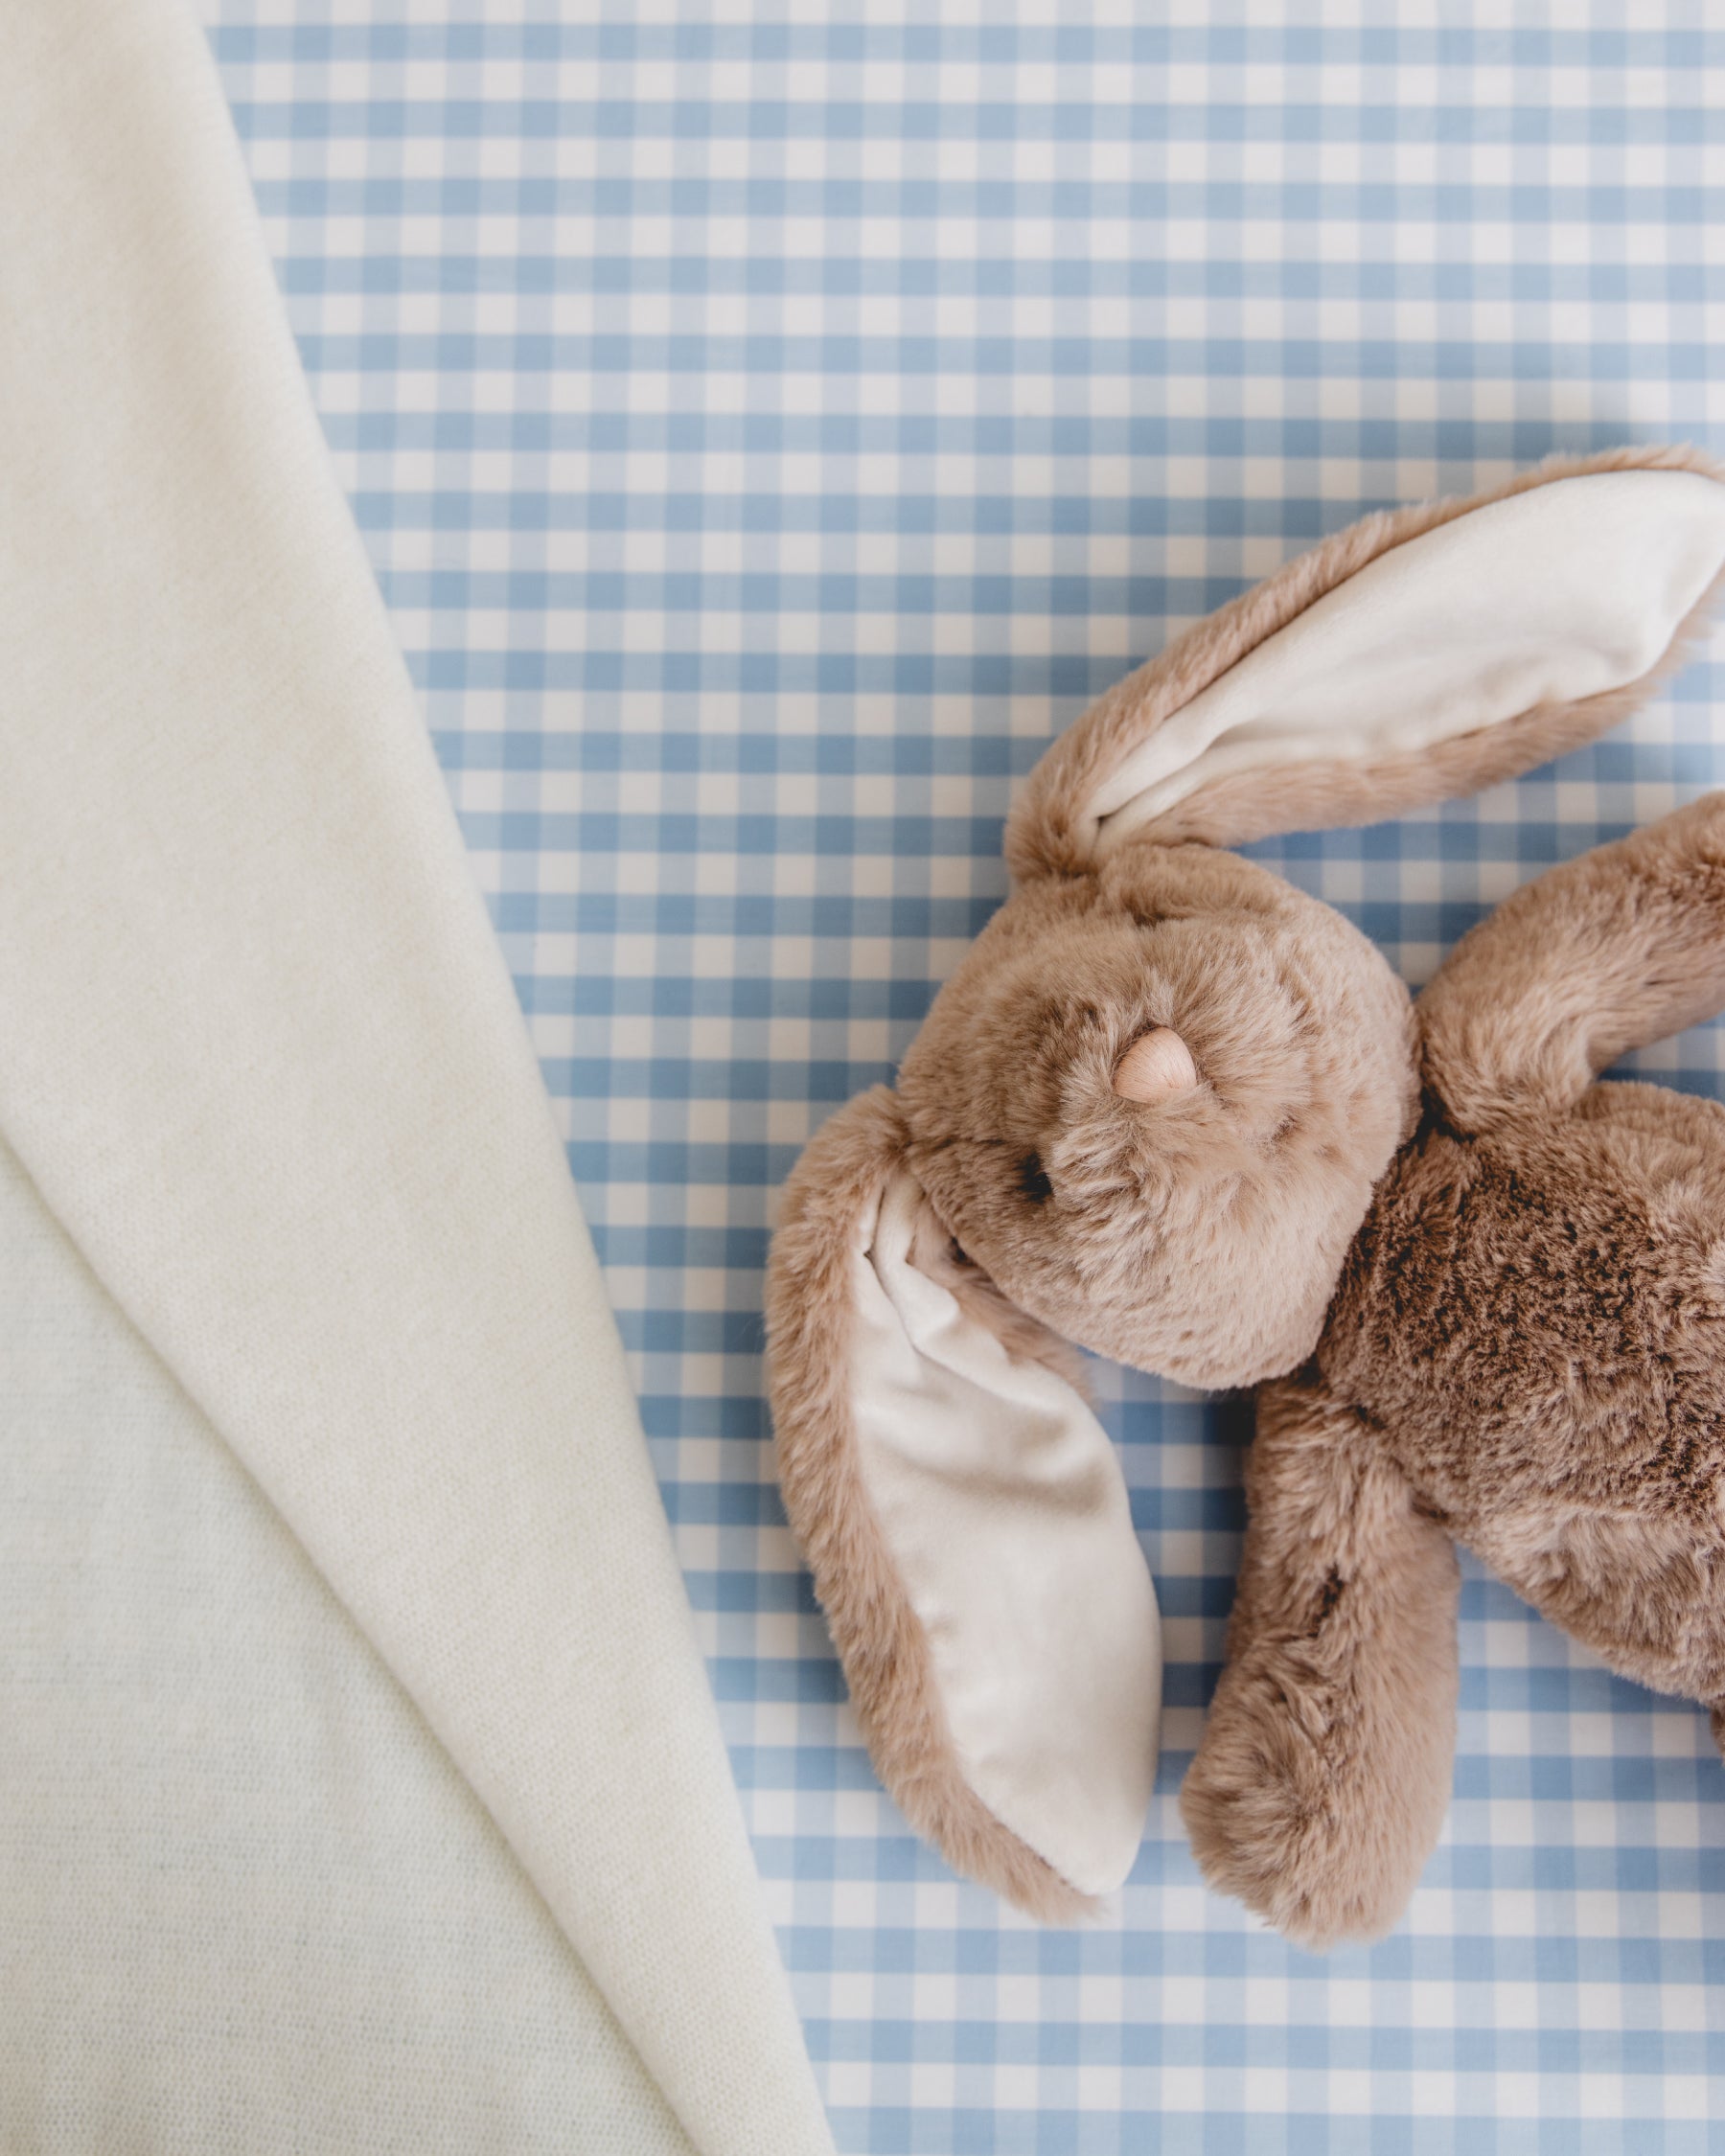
769	427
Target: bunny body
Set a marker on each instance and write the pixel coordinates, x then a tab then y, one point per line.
1483	1296
1525	1351
1555	1405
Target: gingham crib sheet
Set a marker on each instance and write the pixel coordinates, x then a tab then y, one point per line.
769	428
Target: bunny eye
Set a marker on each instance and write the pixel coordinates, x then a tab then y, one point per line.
1033	1180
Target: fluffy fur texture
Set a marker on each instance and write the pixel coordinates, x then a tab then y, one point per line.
1046	833
1199	1235
1525	1351
1506	1309
1325	1768
833	1189
1617	948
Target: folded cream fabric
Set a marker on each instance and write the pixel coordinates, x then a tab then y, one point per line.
246	1904
259	1056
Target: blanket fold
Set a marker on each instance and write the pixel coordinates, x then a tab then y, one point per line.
260	1057
249	1904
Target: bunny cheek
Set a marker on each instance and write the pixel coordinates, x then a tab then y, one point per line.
1199	1236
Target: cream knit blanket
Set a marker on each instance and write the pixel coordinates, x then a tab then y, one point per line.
260	1059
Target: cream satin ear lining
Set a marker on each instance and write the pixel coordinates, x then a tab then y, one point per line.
1006	1514
1563	592
1157	1066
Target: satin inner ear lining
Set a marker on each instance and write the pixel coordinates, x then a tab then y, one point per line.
1006	1514
1550	596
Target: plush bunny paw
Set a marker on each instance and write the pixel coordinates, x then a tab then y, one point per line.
1292	1811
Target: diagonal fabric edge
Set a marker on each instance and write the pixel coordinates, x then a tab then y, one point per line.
248	1902
260	1053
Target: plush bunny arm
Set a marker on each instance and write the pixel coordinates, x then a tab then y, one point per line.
1320	1786
1622	946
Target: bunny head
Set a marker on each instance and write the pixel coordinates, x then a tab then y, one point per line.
1151	1104
1146	1113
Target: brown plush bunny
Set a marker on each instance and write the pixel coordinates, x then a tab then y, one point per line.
1173	1109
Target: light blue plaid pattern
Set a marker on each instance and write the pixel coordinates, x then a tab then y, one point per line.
768	431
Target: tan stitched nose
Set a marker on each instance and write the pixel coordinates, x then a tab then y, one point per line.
1157	1066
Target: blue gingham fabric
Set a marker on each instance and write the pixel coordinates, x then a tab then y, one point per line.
769	428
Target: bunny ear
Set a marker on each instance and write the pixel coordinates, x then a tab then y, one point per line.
1420	654
968	1529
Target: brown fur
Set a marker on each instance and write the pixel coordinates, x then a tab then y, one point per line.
1325	1768
1619	946
878	1633
1045	834
1537	1319
1520	1346
1529	1339
1199	1236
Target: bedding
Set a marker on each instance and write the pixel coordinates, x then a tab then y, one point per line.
261	1062
765	429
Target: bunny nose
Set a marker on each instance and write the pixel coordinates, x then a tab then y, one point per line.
1157	1065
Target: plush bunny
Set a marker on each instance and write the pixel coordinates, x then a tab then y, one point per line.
1173	1109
